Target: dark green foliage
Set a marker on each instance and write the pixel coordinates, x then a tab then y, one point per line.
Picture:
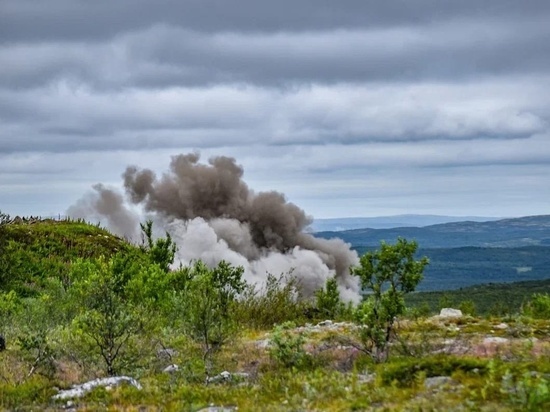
403	371
495	298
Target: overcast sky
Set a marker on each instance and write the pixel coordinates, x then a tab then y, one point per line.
350	108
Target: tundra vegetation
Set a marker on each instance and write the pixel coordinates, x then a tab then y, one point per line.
77	303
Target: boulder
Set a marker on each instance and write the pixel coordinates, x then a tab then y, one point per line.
226	376
450	313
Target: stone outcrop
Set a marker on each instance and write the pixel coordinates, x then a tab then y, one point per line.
78	391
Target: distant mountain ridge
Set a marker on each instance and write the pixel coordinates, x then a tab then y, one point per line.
388	222
512	232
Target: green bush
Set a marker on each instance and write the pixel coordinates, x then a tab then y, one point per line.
328	303
538	307
287	347
115	301
468	307
160	251
278	301
529	391
21	396
207	304
403	371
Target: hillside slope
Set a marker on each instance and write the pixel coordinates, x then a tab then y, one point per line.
517	232
34	250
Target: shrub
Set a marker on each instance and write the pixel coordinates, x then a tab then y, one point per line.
278	301
288	347
9	306
21	396
468	307
328	302
160	251
529	391
403	372
538	307
207	303
111	309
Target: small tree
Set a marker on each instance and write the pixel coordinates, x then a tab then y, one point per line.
161	251
327	300
115	300
386	276
208	298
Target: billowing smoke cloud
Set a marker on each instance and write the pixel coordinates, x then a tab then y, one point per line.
212	215
104	204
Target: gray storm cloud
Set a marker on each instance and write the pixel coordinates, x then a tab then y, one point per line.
213	215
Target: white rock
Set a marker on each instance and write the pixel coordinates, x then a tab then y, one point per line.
366	378
494	339
171	368
226	376
223	376
450	313
435	381
325	323
501	326
77	391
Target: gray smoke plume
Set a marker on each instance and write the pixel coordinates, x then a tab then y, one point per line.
107	206
213	215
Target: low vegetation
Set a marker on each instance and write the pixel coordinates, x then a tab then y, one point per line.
77	303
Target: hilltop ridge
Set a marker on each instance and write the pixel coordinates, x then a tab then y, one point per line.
510	232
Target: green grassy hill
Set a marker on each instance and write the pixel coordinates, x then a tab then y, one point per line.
33	250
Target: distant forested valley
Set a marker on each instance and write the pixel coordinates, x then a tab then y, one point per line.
469	253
